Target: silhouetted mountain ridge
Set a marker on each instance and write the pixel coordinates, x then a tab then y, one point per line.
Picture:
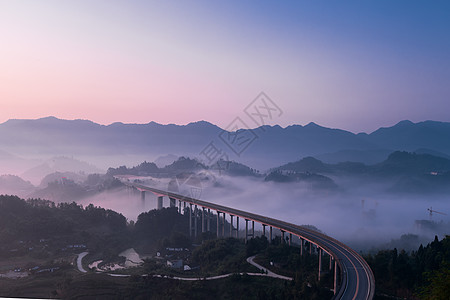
404	171
269	146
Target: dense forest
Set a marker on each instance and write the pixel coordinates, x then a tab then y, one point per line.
423	274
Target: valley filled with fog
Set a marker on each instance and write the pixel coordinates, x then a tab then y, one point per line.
364	219
363	189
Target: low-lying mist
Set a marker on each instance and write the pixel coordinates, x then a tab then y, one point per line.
364	219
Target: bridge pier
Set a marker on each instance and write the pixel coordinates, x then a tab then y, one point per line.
246	230
160	202
331	263
208	221
143	197
335	277
223	225
301	246
282	237
320	262
218	224
290	238
264	229
179	207
310	248
203	219
195	221
231	225
190	219
172	202
253	229
270	235
237	227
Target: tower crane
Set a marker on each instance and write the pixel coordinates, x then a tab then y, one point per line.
434	211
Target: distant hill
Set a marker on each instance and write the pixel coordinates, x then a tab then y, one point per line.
411	163
260	148
61	176
399	162
184	165
165	160
315	181
368	157
14	185
405	171
409	136
59	164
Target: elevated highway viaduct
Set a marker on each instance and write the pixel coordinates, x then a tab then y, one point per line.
356	277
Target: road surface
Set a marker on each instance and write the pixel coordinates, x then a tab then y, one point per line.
251	261
80	261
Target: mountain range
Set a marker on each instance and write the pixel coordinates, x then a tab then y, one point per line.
261	148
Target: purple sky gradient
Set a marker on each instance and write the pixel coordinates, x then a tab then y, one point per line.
356	66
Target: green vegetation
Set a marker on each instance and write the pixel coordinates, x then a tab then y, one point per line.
37	219
222	256
160	229
423	273
403	172
318	182
183	165
43	238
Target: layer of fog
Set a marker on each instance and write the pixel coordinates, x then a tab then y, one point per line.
362	219
36	168
362	215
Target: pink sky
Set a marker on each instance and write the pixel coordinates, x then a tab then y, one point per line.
137	62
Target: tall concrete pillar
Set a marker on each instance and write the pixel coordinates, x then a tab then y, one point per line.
310	248
320	262
231	225
172	202
264	229
290	238
270	235
223	225
179	207
237	227
203	219
253	229
301	246
160	202
190	219
246	230
335	277
195	223
218	224
331	262
282	237
208	221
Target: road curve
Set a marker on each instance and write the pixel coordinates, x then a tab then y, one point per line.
357	282
80	261
251	261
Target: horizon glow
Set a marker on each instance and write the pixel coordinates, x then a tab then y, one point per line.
357	66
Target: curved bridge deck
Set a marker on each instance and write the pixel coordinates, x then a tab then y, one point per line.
357	278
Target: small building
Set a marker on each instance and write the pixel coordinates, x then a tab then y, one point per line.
176	263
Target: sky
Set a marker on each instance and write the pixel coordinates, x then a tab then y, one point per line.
358	65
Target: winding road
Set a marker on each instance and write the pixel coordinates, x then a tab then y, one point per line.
80	261
266	273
